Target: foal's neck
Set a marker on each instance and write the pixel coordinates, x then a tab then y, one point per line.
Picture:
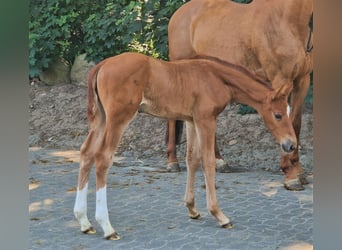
246	88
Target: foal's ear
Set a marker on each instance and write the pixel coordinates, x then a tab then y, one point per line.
283	91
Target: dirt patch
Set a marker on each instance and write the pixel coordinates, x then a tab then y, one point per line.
58	120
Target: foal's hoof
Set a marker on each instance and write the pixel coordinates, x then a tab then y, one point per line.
90	230
228	225
222	166
113	236
294	185
173	167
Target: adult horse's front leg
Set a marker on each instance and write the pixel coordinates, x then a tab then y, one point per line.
206	134
172	161
290	164
192	163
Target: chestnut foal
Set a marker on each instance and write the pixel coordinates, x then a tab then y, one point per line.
195	91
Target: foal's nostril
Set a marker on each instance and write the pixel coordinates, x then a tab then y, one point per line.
288	146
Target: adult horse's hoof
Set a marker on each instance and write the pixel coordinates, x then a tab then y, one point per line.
222	166
113	236
302	179
294	185
173	167
90	230
228	225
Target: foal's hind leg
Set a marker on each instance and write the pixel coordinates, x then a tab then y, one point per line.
115	126
86	162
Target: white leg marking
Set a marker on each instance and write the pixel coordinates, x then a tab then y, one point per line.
288	110
101	213
80	208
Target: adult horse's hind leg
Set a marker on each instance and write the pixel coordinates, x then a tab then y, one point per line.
172	161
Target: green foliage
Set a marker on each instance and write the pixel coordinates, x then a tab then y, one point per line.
55	31
65	29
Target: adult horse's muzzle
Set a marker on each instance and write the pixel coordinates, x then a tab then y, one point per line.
288	146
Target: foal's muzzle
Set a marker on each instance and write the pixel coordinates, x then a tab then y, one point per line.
288	146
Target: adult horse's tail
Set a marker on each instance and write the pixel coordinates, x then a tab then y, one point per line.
178	132
95	112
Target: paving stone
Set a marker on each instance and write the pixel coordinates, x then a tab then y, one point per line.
146	207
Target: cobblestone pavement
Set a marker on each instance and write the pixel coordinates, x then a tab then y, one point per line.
146	208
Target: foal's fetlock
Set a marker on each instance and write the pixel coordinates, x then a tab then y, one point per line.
192	211
194	215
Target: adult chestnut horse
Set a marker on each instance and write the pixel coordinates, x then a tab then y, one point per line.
270	38
195	91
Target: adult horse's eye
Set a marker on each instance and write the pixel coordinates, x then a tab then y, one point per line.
278	116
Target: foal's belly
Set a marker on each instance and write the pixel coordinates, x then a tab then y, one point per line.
164	111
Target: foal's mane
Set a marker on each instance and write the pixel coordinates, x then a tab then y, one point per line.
240	68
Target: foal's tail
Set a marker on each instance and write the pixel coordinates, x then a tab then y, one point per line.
95	112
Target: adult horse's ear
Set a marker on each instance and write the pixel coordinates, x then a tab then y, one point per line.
283	91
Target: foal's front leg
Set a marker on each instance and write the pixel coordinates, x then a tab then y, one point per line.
206	134
192	162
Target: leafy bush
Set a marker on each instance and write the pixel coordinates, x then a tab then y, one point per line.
65	29
55	31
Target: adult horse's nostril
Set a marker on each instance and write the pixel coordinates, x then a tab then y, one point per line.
288	146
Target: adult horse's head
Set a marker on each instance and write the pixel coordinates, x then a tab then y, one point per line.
276	114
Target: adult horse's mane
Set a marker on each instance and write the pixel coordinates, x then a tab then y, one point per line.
240	68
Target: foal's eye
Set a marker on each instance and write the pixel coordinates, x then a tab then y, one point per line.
278	116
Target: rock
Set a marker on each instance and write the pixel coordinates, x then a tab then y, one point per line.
80	69
232	142
58	73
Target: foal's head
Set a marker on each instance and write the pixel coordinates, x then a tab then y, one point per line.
275	112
